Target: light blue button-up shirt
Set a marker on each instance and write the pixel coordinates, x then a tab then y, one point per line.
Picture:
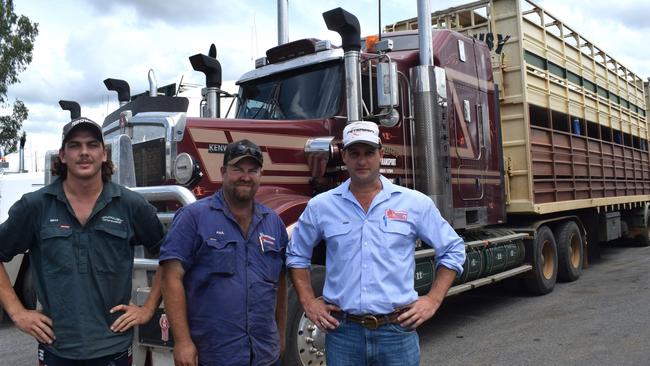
370	256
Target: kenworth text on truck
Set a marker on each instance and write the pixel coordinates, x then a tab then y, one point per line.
531	140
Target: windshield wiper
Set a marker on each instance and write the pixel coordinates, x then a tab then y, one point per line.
272	103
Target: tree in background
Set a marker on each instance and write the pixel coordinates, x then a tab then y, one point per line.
17	35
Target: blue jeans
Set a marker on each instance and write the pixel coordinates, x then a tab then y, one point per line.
351	344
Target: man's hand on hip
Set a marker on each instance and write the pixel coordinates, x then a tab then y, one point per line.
319	313
35	324
133	315
421	311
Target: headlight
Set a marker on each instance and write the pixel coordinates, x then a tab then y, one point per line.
184	168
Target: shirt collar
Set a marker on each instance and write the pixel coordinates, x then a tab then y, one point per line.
387	188
218	202
109	190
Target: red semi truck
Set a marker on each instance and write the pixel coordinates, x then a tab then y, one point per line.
532	141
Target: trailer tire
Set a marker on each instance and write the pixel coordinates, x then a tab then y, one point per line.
643	240
570	251
302	335
542	254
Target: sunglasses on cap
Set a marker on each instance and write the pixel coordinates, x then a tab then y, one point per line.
240	149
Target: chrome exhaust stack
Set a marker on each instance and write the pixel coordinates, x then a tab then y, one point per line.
153	84
430	133
121	87
283	22
21	153
211	67
72	106
347	26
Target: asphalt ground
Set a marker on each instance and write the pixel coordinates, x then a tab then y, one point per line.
601	319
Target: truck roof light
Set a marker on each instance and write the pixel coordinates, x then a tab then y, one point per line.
291	50
371	41
323	45
262	61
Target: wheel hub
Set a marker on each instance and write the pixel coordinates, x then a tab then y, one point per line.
311	342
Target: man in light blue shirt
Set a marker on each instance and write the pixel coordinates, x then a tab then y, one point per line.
370	308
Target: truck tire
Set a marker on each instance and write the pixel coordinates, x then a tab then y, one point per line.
305	344
643	240
570	251
542	254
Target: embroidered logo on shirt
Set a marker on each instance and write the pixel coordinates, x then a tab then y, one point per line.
266	241
112	219
219	232
54	220
64	226
401	215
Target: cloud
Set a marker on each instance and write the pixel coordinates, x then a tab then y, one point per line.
188	13
82	42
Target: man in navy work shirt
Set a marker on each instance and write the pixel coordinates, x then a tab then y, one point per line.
224	283
369	307
80	232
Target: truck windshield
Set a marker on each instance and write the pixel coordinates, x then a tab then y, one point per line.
309	93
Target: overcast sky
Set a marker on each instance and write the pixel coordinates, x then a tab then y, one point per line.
82	42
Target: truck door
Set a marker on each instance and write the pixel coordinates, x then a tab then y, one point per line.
470	123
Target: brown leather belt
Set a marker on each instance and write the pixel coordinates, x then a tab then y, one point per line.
370	321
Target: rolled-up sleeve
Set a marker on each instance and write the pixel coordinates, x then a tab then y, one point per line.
17	233
182	239
438	233
306	235
147	226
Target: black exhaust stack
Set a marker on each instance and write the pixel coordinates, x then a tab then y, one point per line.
347	26
211	67
121	87
73	107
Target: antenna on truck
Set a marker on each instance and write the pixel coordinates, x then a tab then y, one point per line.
379	19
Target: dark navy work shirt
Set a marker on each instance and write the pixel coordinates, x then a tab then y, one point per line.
81	272
230	280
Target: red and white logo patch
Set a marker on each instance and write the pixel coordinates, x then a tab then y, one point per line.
266	241
401	215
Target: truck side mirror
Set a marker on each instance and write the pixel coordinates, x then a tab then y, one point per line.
387	93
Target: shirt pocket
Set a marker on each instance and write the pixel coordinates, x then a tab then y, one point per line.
333	231
397	236
221	256
273	261
112	252
339	241
397	227
58	249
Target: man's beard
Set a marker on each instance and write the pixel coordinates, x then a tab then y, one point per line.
242	192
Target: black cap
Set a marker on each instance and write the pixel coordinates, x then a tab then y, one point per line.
82	122
238	150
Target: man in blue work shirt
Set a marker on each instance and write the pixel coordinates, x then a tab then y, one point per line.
369	307
80	232
224	283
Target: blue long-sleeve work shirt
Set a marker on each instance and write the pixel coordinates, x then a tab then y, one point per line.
370	255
